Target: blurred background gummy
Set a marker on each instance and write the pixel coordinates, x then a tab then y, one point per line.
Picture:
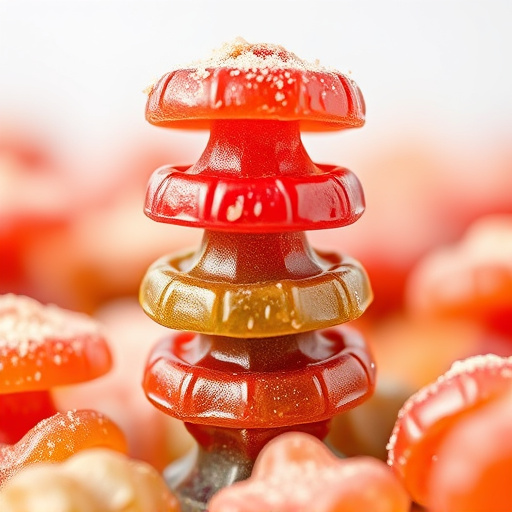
434	159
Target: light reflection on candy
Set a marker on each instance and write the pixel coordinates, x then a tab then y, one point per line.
475	462
57	438
431	414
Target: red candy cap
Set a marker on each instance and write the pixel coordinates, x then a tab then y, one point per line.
256	81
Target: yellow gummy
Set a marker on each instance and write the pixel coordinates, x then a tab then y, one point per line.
177	300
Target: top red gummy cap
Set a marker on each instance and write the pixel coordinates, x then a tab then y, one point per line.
255	81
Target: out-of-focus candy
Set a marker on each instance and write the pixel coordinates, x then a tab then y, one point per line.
388	241
297	473
57	438
429	416
34	206
474	464
106	250
470	280
415	351
119	394
365	430
42	347
94	480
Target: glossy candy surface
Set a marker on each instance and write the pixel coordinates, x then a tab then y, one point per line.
255	293
297	473
316	376
255	81
255	176
254	286
42	347
57	438
475	462
433	412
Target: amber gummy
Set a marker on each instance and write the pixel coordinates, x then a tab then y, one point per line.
257	347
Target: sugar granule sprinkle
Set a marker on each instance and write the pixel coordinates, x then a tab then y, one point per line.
25	324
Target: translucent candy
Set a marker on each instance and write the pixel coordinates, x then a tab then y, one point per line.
297	473
57	438
254	81
331	198
326	372
182	295
433	412
475	462
42	347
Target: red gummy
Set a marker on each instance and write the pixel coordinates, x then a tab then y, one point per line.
330	371
276	85
329	199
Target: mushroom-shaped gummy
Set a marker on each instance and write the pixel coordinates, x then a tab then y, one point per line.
428	417
255	174
42	347
470	280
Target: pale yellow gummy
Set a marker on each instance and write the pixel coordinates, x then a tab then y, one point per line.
180	301
96	480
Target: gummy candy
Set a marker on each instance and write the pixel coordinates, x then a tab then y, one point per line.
430	414
42	347
57	438
295	472
94	480
266	353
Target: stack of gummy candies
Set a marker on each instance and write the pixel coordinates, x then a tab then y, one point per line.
257	363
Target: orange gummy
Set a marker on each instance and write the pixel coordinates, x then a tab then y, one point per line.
432	413
58	437
475	462
42	346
